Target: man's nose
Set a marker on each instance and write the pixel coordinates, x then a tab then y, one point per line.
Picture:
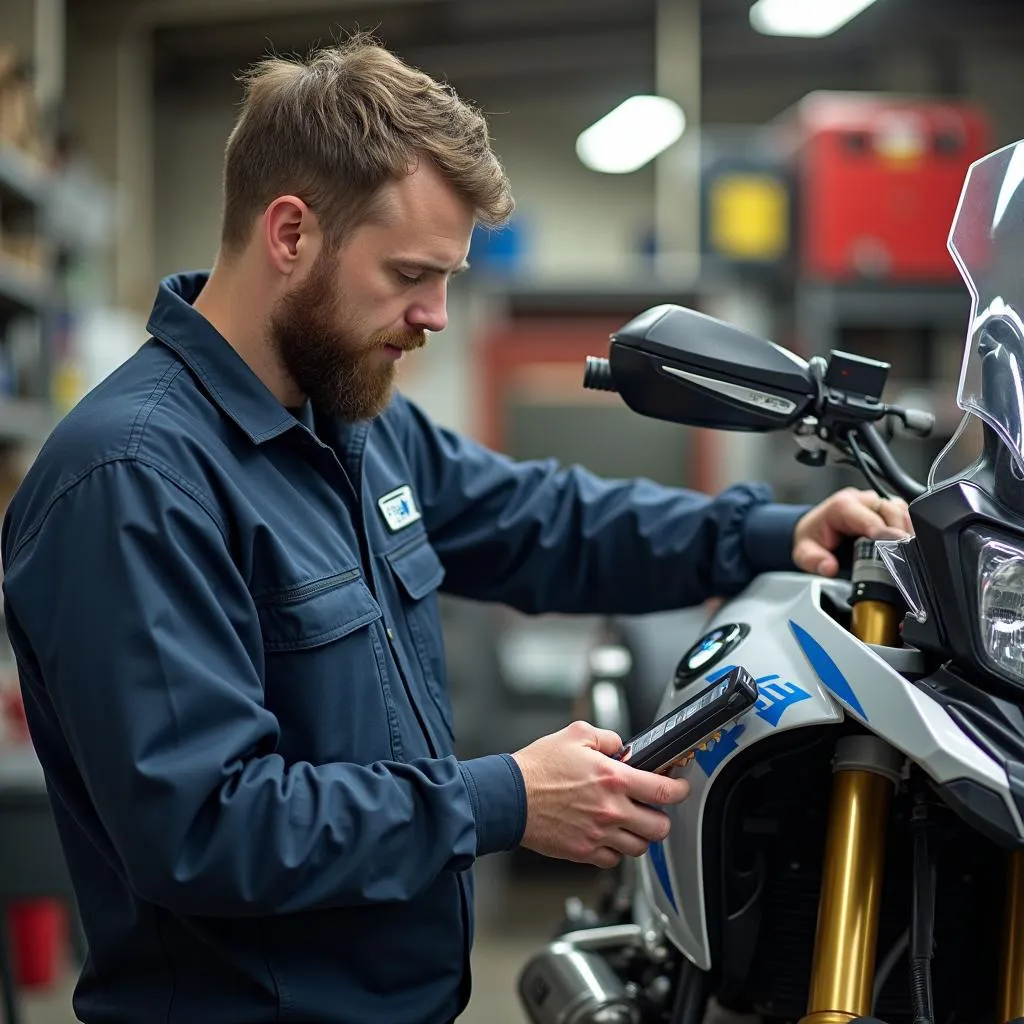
430	310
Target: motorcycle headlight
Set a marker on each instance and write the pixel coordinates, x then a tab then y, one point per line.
999	567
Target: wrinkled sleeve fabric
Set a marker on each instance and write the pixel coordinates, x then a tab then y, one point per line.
546	538
144	636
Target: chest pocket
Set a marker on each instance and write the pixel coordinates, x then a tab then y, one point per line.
419	573
316	613
323	672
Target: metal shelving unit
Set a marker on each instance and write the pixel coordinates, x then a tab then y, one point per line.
27	290
22	178
22	288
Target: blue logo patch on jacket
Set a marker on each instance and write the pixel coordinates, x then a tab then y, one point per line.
399	508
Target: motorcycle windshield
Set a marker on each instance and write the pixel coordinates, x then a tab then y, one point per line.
987	242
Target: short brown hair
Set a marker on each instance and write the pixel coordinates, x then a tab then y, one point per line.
333	128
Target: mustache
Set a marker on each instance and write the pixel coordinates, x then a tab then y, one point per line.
407	341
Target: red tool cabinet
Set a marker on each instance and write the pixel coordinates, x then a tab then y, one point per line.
878	181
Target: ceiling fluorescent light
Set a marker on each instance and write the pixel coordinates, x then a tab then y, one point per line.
811	18
631	135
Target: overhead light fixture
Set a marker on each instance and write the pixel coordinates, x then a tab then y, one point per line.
810	18
631	135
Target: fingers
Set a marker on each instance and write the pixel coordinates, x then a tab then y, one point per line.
857	513
628	844
889	518
638	832
895	513
584	805
810	556
646	824
648	788
607	742
620	843
603	740
849	513
605	857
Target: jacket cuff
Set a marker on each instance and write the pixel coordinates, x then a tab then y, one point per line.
497	795
768	536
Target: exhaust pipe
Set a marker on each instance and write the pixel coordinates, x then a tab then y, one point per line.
568	982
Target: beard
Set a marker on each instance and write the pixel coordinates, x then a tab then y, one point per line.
340	367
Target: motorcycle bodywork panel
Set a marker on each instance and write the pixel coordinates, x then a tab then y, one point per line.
810	672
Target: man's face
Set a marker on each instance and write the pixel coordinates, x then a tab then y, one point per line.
341	330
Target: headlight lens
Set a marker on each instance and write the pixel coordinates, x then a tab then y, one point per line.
1000	570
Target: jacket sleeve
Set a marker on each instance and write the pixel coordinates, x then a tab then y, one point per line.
546	538
132	620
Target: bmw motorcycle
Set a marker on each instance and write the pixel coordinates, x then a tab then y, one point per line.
853	843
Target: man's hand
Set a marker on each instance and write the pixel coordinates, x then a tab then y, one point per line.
584	806
850	513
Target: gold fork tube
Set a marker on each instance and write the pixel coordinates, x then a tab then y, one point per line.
1011	994
843	969
866	769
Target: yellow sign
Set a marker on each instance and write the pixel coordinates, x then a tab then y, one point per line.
749	216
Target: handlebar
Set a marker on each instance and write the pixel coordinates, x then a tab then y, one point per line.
905	485
597	376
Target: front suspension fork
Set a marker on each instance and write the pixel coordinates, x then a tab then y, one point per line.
1011	988
843	969
866	769
866	773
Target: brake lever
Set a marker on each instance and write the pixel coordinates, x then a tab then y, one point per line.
916	421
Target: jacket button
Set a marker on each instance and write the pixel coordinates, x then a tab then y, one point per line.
391	636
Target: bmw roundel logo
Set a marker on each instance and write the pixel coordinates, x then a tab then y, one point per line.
708	650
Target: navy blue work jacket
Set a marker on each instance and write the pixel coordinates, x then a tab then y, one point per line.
225	622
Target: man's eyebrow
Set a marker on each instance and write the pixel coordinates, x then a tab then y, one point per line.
437	268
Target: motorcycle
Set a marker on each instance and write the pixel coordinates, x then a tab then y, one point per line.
853	844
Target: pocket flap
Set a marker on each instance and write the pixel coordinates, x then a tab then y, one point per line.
418	568
312	615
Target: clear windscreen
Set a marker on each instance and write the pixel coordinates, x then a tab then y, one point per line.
897	555
987	242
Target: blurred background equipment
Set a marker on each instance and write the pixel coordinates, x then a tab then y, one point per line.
803	190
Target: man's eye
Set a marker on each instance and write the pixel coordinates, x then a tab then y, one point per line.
407	278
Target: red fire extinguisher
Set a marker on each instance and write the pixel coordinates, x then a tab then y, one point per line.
39	931
38	928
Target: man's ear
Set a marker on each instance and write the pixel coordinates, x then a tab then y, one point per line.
291	234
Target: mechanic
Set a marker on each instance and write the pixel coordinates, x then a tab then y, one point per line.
221	577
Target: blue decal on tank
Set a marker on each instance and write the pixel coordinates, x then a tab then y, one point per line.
657	855
718	750
827	670
775	697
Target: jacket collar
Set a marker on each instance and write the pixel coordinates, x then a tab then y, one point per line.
228	379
